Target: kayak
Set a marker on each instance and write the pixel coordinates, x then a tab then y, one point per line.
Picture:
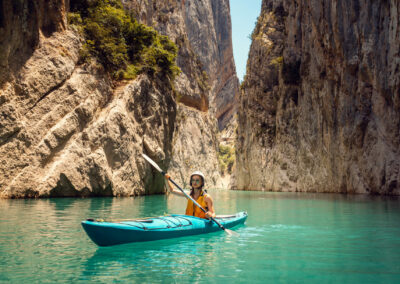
105	233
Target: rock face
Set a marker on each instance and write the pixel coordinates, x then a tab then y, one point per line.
320	104
212	42
21	25
67	130
194	147
202	30
208	82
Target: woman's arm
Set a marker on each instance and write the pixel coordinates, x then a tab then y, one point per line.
171	186
210	205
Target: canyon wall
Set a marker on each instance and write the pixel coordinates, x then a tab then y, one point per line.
207	87
66	132
320	104
67	129
203	31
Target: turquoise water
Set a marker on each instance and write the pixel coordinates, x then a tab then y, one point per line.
288	238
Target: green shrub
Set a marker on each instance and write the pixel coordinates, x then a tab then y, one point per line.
124	46
74	19
226	158
131	72
222	165
202	81
277	61
161	55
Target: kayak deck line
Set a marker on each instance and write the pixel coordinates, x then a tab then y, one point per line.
225	216
149	219
168	222
105	233
146	220
152	219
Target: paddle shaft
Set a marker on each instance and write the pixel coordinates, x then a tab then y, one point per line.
194	201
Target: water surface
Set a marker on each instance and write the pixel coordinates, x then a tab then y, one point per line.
288	238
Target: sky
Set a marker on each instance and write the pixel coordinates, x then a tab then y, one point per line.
244	15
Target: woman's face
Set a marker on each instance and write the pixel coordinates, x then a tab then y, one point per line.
196	181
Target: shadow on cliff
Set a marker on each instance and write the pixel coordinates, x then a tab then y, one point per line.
65	188
22	23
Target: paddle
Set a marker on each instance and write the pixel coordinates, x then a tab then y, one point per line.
187	196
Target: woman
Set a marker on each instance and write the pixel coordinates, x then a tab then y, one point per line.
197	193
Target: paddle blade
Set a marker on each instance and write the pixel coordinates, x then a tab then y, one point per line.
147	158
231	233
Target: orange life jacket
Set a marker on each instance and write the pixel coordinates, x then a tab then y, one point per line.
193	210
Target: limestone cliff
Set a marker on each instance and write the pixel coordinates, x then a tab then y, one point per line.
194	147
320	104
208	82
202	30
66	129
66	132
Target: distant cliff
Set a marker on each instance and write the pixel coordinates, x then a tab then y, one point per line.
68	129
320	103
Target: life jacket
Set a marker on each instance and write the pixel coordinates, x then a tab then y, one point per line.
193	210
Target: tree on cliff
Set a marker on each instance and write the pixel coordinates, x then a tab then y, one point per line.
124	46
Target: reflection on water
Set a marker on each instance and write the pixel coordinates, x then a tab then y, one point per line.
187	257
288	237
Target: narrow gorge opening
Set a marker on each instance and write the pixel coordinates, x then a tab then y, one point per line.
244	18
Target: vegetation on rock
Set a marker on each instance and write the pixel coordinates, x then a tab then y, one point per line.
124	46
226	158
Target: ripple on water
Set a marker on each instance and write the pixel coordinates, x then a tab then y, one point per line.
284	240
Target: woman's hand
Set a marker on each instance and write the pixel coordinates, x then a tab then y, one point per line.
210	214
170	187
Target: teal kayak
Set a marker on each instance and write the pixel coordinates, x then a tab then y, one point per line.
156	228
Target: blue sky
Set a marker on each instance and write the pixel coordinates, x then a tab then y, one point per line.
244	15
